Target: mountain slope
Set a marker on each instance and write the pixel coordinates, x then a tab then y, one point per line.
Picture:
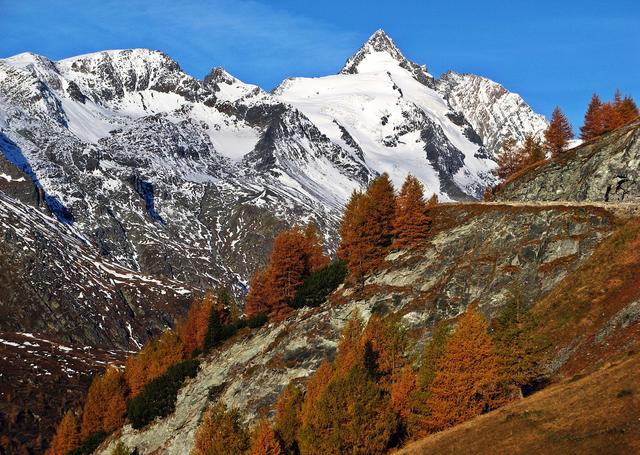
566	418
476	254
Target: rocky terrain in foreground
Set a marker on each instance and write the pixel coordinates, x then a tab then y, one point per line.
477	255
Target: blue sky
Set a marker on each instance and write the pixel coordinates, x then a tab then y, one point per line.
551	52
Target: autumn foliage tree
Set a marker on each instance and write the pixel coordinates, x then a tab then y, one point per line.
288	417
601	118
467	377
221	432
192	330
558	133
67	437
105	405
410	221
519	347
296	253
265	441
514	158
153	360
367	227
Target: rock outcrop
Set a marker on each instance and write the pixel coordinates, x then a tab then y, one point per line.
606	169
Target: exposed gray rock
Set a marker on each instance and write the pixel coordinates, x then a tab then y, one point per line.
606	169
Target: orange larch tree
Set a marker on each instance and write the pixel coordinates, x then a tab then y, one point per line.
265	441
367	228
221	432
558	133
193	329
467	378
510	160
627	110
257	298
592	120
287	421
105	406
153	360
67	437
410	221
296	253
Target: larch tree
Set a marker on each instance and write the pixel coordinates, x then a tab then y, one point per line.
351	350
256	302
468	375
410	221
628	110
105	405
510	160
153	360
402	392
532	150
592	120
352	415
385	342
67	437
193	329
558	133
417	412
220	433
315	386
287	420
519	347
367	228
265	441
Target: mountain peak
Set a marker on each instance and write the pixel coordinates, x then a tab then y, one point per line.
381	53
378	42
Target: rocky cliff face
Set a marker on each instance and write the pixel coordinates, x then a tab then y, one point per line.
605	169
477	253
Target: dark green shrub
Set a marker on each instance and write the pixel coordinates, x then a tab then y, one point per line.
90	444
158	398
214	330
257	320
316	287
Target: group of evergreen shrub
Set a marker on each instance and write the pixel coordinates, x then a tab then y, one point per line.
316	287
158	397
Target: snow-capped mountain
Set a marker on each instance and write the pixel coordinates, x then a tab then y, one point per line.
190	179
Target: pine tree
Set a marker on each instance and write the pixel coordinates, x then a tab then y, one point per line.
67	437
105	405
558	133
265	441
220	433
592	120
287	421
410	221
467	378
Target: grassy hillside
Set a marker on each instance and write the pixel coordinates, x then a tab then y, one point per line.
596	414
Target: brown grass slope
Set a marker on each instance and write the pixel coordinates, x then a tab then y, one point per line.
597	414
